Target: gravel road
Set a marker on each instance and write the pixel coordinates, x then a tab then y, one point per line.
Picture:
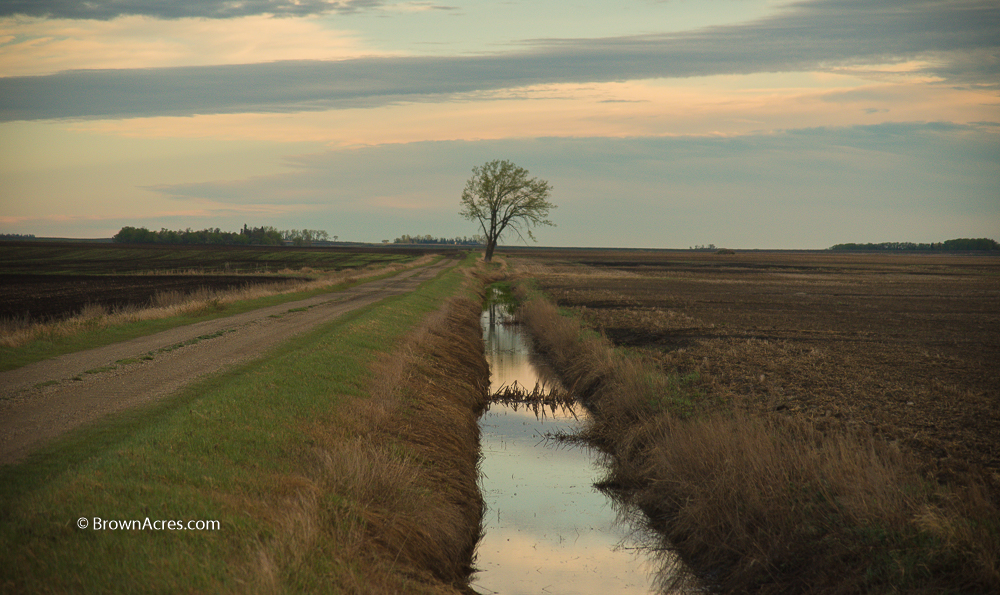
43	400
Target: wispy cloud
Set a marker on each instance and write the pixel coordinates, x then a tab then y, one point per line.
418	7
178	9
33	47
810	187
954	41
708	106
945	152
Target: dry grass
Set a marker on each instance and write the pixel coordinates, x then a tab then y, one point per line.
167	304
761	503
392	501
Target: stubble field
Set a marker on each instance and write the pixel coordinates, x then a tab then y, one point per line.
902	345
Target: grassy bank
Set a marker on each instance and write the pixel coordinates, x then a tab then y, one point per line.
23	343
345	461
767	504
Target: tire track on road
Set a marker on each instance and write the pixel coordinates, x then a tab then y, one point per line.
43	400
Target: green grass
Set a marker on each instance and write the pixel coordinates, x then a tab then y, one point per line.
502	293
224	450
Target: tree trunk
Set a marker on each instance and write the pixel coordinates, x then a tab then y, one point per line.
490	247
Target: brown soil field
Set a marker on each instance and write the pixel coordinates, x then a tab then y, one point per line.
101	258
905	345
51	280
43	297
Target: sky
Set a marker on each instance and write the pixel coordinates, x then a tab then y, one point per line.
658	123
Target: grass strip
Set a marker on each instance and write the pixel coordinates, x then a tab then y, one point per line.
238	449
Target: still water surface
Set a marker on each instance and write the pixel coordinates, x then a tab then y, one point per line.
547	529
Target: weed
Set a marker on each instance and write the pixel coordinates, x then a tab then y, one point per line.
92	311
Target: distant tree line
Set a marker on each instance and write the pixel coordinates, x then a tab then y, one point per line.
305	237
427	239
17	236
248	236
957	244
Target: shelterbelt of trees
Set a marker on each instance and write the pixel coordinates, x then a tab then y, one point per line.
958	244
260	236
428	239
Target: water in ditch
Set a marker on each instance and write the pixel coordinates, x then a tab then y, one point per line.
547	529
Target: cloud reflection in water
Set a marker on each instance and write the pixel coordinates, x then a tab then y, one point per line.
547	529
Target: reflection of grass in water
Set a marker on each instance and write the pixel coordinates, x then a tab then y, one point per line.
501	294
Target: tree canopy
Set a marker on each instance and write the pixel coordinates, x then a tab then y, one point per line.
429	239
501	197
265	236
960	244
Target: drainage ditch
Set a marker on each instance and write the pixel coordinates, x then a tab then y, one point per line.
547	528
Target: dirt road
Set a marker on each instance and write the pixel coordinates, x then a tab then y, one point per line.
43	400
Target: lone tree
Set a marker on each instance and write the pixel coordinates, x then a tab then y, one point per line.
502	197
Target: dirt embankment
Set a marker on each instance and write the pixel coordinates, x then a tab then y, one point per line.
41	401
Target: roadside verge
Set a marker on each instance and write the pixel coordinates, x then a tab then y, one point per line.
342	462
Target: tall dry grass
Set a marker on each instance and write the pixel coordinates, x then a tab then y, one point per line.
16	332
766	504
392	501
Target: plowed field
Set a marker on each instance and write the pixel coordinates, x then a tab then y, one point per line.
47	280
904	345
40	297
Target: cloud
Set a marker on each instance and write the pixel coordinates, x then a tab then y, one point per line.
956	41
720	105
418	7
901	165
35	47
179	9
802	188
